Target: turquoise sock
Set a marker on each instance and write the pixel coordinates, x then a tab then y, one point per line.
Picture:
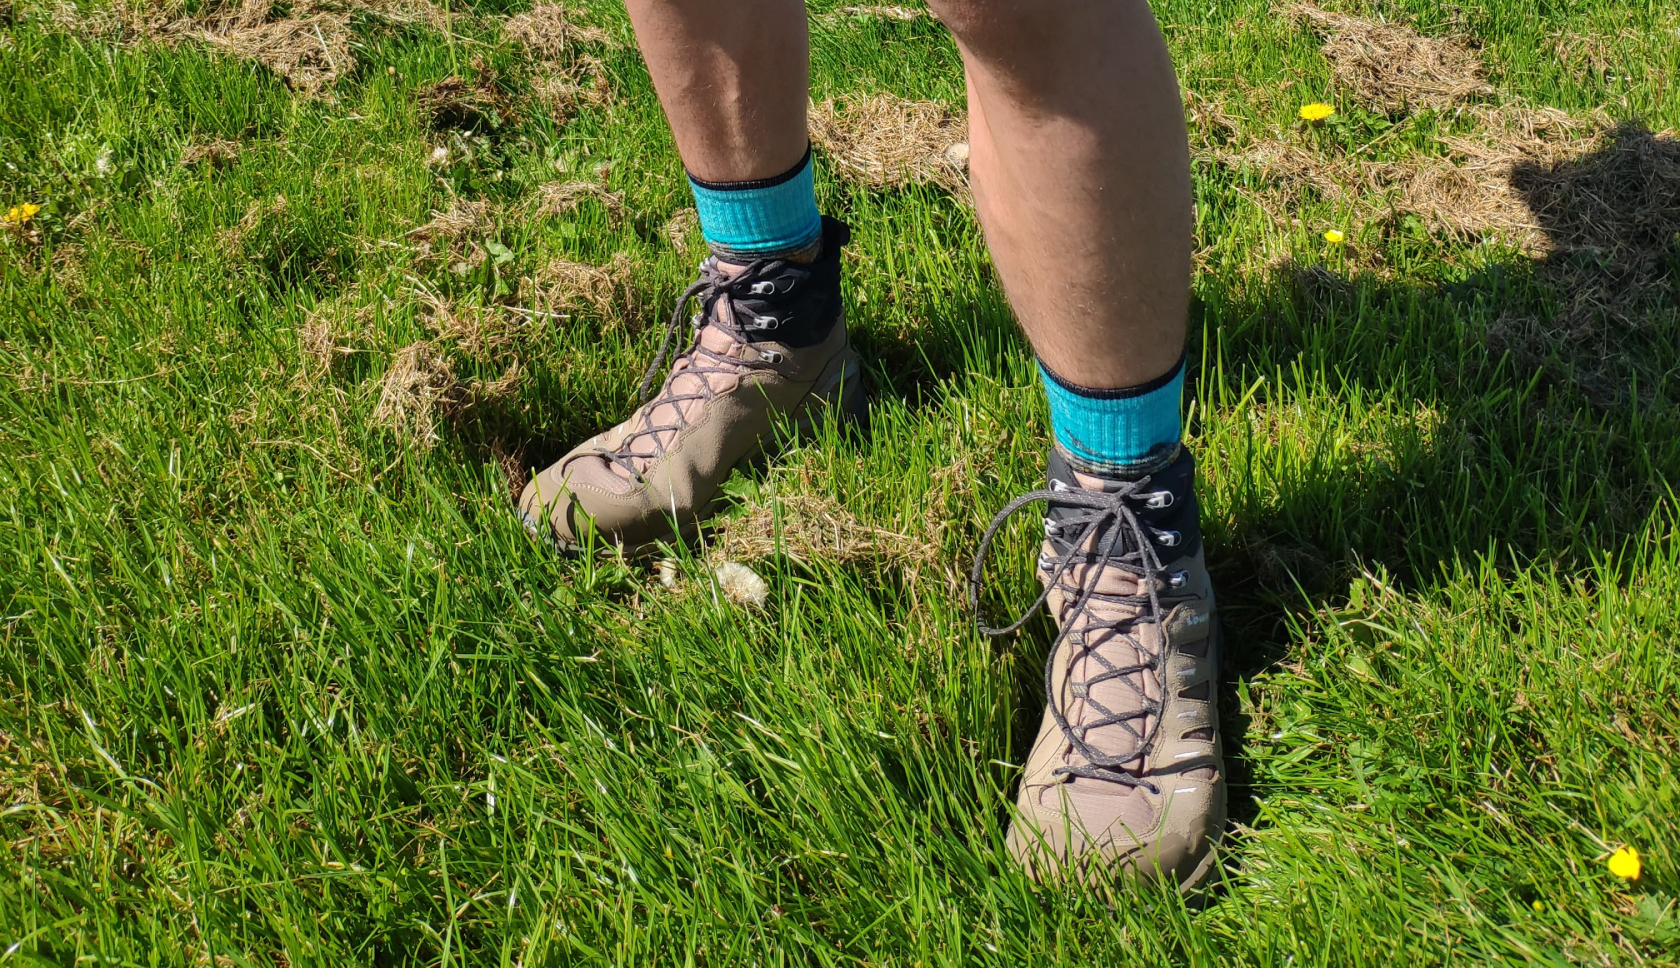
769	218
1124	432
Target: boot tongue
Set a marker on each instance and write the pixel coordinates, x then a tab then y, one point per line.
716	339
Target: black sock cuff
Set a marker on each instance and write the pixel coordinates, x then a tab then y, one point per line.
1121	393
746	186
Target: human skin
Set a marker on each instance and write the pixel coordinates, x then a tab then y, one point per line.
1078	156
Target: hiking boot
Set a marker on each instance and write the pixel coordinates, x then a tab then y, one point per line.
769	340
1125	777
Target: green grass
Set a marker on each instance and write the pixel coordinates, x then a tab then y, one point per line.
281	687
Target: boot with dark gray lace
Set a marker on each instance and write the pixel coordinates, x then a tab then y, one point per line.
1125	778
769	341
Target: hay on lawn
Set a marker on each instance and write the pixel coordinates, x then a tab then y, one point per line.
452	236
482	333
811	528
1390	67
562	198
877	12
463	218
455	102
606	291
886	141
418	390
310	52
682	230
231	240
551	31
213	153
1467	193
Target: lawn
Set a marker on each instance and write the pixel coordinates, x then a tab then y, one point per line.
313	287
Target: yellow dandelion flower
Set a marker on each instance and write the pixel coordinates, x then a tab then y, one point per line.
1624	863
20	214
1316	111
1538	906
1334	237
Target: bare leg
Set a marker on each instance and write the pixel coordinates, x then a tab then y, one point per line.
1081	174
734	79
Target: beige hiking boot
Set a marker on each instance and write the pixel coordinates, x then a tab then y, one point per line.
1125	778
769	340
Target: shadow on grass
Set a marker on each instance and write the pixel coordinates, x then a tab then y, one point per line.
1552	381
1545	428
1547	386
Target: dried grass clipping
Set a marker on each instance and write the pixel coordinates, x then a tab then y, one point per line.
810	528
320	340
886	141
231	240
419	389
563	198
550	32
464	218
482	333
452	236
214	153
582	85
457	103
682	230
1390	67
310	52
1468	194
606	292
877	12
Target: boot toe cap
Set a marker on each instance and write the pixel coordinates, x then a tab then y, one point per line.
1053	840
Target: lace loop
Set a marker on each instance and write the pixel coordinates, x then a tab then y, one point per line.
1103	520
712	288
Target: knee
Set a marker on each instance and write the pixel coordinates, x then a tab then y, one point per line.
966	17
1021	21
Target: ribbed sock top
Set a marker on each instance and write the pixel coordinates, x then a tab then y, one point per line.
768	218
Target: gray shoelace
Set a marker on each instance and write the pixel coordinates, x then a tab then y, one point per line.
1110	517
713	287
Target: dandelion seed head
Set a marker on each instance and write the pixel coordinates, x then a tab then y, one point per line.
741	584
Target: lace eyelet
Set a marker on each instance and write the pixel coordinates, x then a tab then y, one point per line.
1178	579
1168	539
1158	500
770	356
766	322
764	289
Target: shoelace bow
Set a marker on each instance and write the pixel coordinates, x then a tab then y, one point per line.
713	287
1111	515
